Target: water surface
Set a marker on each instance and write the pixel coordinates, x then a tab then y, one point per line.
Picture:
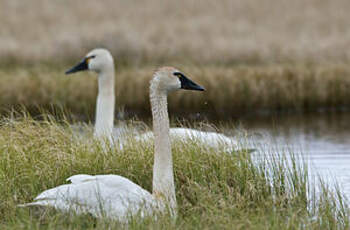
324	140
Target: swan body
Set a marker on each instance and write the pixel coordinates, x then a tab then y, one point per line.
208	139
110	196
101	62
115	196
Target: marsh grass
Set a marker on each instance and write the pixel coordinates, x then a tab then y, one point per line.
157	31
232	91
215	190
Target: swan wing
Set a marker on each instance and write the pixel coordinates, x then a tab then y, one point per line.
80	178
210	139
111	196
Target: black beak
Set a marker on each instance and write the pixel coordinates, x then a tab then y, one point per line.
188	84
83	65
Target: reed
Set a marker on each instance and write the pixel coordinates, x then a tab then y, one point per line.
231	31
213	189
232	91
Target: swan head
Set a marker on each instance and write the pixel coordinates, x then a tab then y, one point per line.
96	60
169	79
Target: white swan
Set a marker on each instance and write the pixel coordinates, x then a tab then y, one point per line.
117	197
101	61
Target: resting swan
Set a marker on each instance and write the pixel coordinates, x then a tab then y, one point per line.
117	197
101	61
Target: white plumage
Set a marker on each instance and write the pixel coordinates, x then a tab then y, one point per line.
207	139
110	196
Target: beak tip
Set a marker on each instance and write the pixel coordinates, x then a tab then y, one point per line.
70	71
200	88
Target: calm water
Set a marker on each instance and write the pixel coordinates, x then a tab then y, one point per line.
324	140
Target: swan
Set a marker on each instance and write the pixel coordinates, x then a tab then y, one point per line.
117	197
101	61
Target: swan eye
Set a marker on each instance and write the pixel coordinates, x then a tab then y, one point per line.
178	74
87	59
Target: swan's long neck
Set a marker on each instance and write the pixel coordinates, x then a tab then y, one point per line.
163	177
105	104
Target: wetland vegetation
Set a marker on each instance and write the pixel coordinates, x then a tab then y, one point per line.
213	189
252	58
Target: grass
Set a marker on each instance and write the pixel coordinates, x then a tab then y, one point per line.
214	190
252	58
157	31
232	91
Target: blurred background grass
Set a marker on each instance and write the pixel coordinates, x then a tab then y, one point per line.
252	56
231	92
211	32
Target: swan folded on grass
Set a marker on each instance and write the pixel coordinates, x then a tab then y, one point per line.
206	139
117	197
101	61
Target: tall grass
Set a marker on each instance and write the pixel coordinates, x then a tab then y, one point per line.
156	31
215	190
231	91
247	54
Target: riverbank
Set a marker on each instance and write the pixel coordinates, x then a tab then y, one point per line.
213	189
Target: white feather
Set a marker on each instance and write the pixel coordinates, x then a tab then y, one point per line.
110	196
207	139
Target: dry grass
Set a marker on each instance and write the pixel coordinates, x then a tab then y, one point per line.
210	32
297	52
214	190
231	91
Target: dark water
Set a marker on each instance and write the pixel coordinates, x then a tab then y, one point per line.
324	140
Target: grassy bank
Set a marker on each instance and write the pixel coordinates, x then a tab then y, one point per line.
214	190
232	91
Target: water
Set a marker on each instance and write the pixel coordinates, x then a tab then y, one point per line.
323	139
